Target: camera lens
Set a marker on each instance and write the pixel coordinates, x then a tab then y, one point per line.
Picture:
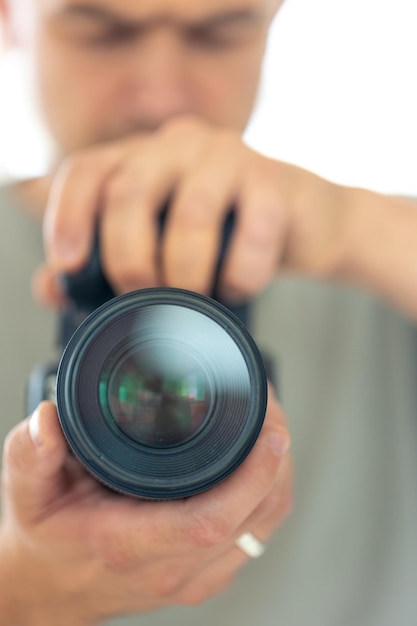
158	394
161	393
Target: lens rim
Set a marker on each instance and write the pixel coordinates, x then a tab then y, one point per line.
95	460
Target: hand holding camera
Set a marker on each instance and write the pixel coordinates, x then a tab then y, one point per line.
74	552
92	544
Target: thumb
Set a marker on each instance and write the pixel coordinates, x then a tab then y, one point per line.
34	459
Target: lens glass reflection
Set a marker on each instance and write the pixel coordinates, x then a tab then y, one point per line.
158	395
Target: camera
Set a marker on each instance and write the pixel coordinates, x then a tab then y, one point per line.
161	393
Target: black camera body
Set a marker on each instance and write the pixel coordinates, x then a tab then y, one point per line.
161	393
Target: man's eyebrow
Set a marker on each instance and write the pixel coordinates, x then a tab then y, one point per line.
91	12
107	16
226	18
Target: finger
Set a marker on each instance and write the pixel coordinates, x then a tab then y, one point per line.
194	232
135	197
213	517
46	288
220	570
259	237
130	224
35	454
189	578
190	526
273	510
74	204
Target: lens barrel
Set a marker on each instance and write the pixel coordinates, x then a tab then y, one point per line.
161	393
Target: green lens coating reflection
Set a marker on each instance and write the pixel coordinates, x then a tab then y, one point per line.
157	396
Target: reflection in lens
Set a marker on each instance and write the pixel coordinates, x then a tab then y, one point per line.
158	395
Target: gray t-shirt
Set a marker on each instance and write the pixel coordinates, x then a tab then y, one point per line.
347	367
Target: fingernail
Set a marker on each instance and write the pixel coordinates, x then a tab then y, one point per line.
280	443
34	428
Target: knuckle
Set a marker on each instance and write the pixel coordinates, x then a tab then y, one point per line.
260	233
121	189
194	210
205	531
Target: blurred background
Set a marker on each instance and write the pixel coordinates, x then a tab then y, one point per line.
338	96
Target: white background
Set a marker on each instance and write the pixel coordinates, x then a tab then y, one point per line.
339	96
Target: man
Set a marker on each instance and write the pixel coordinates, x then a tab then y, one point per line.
146	102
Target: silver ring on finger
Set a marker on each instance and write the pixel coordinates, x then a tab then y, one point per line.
250	545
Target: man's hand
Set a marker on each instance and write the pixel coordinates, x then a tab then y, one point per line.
203	171
73	552
287	219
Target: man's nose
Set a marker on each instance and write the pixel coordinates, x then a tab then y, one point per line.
161	83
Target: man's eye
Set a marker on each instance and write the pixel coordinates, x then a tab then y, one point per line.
110	39
212	41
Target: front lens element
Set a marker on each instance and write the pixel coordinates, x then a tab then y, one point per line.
158	395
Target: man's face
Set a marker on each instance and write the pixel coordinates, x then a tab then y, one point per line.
110	67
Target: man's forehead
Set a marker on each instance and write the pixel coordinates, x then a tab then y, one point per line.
175	10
